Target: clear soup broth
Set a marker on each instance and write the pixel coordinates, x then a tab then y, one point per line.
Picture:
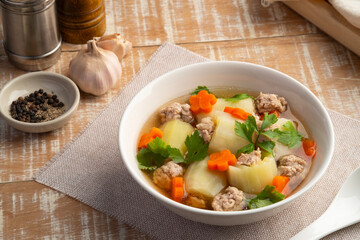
199	196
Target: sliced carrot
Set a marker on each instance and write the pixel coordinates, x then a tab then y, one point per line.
309	147
222	166
220	161
237	112
202	102
177	189
277	114
280	182
228	109
149	137
212	165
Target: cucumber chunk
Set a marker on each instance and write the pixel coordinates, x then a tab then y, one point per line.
224	136
247	105
199	180
253	179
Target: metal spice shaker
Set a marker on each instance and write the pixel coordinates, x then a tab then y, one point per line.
31	36
81	20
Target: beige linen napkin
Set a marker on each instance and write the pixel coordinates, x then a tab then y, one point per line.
90	169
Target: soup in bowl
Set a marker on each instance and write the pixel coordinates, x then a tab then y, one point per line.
226	143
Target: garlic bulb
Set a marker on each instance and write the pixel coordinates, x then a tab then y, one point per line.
115	43
94	69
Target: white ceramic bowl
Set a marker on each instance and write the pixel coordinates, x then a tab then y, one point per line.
63	87
246	76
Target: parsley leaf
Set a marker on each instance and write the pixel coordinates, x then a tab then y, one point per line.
272	195
148	160
175	155
197	148
267	197
155	154
267	146
198	89
158	146
238	97
268	121
247	149
157	151
258	203
246	130
290	137
272	133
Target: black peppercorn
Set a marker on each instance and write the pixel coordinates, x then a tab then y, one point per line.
38	106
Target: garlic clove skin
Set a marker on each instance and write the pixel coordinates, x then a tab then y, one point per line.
115	43
94	69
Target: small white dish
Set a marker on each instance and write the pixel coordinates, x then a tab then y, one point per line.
246	76
63	87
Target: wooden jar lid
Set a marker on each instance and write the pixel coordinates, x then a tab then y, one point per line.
81	20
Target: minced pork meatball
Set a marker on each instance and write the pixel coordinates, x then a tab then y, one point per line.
206	128
177	111
249	159
291	165
270	102
163	176
195	201
232	199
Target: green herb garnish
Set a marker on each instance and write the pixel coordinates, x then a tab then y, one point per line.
289	136
248	128
267	197
147	160
155	154
238	97
267	146
157	151
197	148
199	88
246	149
268	120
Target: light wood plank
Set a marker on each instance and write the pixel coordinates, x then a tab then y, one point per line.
29	210
150	22
22	154
153	22
327	18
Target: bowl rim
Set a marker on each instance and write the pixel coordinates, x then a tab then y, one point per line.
165	200
58	76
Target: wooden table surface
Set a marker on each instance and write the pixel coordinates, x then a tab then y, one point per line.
240	30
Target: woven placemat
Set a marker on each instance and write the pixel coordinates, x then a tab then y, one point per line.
90	169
